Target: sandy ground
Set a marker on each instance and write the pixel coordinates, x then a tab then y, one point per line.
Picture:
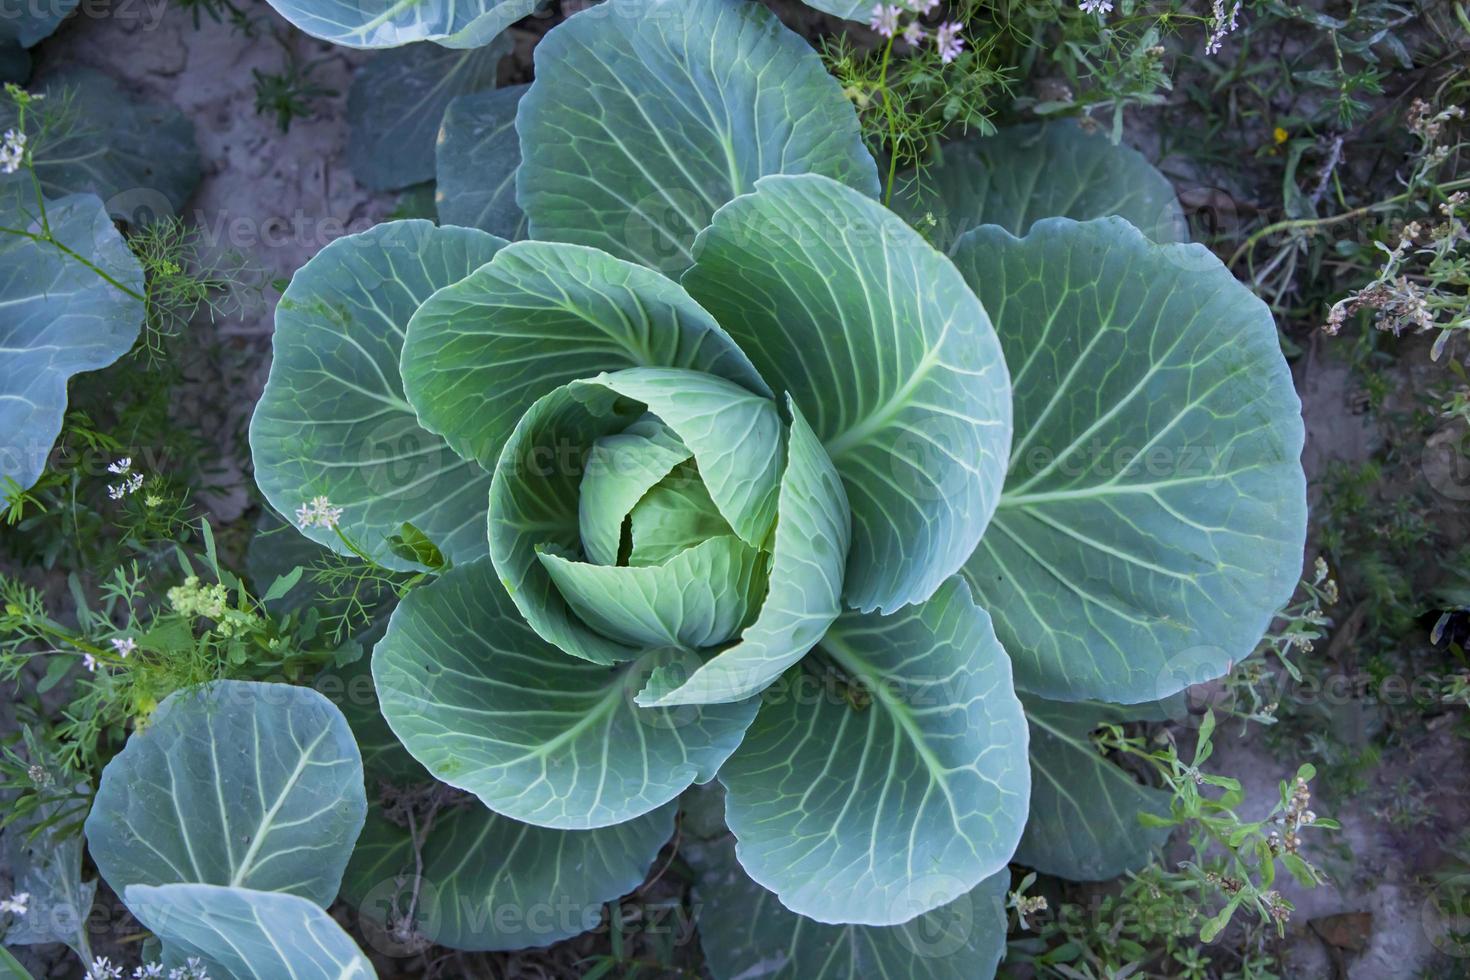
278	197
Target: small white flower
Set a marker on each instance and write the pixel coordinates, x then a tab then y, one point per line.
947	39
117	493
12	151
149	971
134	483
318	512
89	662
1096	6
103	969
16	904
884	19
923	6
121	466
124	645
914	34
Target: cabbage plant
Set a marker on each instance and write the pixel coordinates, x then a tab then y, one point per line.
732	473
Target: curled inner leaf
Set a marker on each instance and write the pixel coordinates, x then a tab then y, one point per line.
591	453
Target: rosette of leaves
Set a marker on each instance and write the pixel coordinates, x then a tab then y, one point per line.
736	475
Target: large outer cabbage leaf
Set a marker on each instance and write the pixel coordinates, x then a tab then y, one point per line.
476	158
333	420
744	931
648	115
397	102
1154	512
390	23
540	315
1041	170
884	347
1084	816
895	787
485	704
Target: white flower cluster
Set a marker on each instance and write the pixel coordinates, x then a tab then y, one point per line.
319	512
131	482
104	969
1096	6
16	904
884	18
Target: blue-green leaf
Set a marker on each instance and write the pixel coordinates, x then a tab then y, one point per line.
888	352
1154	512
699	598
538	316
1042	170
397	102
390	23
621	468
245	934
1083	821
677	513
734	434
61	318
804	595
239	783
486	705
333	420
648	115
745	932
488	882
895	780
476	161
535	496
43	859
535	506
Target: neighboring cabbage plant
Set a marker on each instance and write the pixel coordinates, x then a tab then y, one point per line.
225	827
76	154
734	474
